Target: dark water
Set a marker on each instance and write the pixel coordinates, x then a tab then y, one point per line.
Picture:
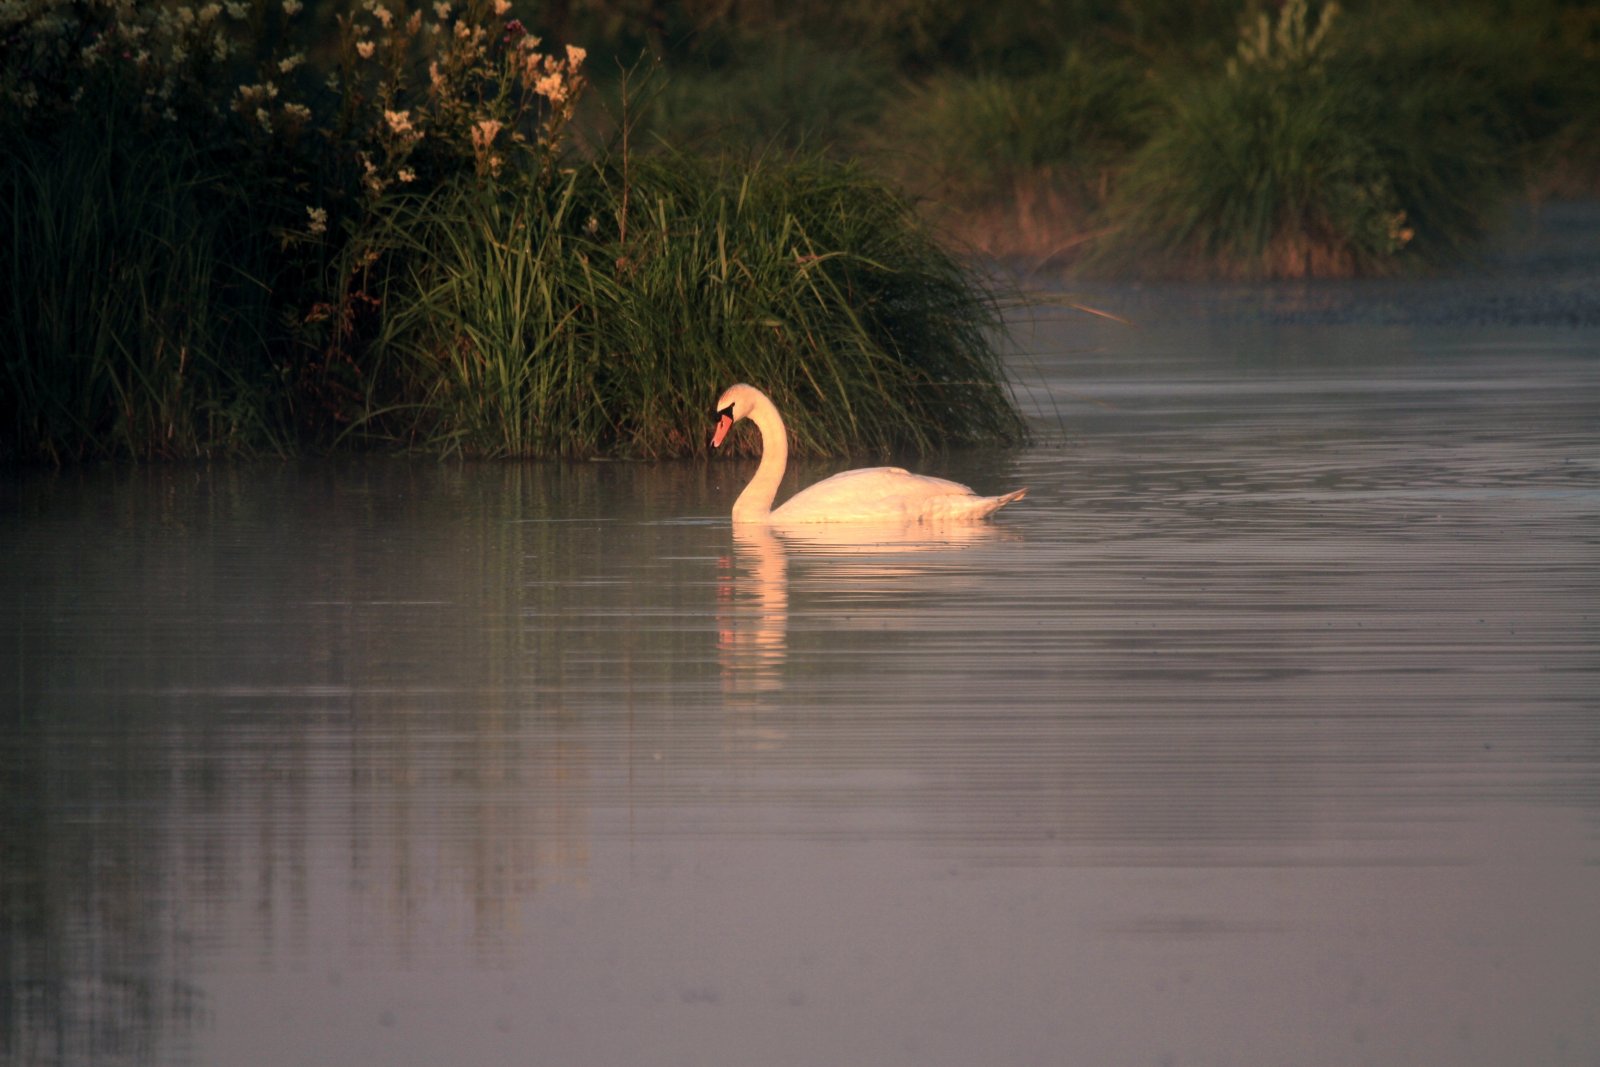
1265	730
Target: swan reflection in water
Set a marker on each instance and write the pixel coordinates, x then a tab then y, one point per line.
753	599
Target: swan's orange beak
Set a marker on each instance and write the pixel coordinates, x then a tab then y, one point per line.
724	424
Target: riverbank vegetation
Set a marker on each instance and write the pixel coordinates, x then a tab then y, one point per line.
273	225
1259	138
226	236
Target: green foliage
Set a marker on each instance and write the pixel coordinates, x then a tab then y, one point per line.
604	314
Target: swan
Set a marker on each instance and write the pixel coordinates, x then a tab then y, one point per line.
867	495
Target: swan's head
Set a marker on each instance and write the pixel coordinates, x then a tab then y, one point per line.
736	402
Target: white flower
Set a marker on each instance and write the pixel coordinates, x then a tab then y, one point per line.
501	7
238	11
292	7
319	220
442	9
263	118
575	55
382	14
399	121
366	48
286	65
407	174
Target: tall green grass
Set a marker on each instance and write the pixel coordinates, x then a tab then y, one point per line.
605	313
1325	148
135	311
1258	177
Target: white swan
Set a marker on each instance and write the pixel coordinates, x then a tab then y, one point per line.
868	495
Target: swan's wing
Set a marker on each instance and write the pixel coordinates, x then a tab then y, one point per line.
870	494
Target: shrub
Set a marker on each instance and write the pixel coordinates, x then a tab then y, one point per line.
180	182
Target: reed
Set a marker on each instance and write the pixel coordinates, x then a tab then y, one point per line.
605	312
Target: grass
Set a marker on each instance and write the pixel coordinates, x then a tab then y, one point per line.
1257	176
135	314
1317	152
605	314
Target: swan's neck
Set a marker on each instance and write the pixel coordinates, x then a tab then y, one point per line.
755	503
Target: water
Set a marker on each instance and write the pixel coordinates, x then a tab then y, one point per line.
1265	730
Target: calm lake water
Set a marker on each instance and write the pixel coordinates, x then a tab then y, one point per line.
1266	730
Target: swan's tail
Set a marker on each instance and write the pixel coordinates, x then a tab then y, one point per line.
986	505
998	502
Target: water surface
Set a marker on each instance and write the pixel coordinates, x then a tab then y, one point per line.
1265	730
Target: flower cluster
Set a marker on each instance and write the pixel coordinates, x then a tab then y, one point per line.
489	96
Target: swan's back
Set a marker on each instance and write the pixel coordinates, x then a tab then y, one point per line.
876	494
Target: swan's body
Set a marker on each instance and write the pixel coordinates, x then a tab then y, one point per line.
868	495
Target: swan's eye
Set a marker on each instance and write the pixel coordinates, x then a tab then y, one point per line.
726	413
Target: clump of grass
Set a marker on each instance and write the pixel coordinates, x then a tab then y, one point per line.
606	312
1301	159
